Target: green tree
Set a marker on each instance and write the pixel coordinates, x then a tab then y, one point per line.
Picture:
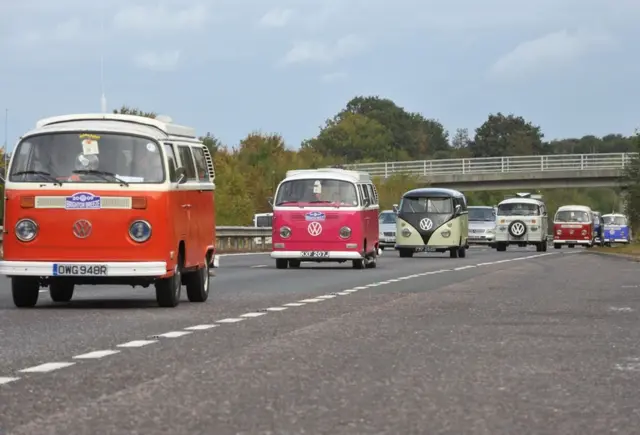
631	185
126	110
510	135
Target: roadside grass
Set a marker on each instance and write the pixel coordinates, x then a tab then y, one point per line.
630	249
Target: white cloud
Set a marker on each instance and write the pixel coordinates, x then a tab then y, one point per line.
159	19
158	61
334	77
319	52
276	18
551	50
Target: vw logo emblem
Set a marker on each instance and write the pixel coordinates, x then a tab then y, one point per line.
426	224
517	229
315	229
82	229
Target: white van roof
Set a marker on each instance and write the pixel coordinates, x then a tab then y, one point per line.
575	208
331	173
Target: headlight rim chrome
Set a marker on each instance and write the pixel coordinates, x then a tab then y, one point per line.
346	230
136	239
36	229
446	234
284	229
406	232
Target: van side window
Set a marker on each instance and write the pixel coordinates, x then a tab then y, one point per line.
375	193
171	160
372	194
362	195
187	162
201	164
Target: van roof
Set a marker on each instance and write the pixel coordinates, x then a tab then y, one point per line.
614	215
575	207
331	173
521	201
490	207
160	128
433	192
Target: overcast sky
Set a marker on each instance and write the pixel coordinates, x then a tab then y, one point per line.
284	66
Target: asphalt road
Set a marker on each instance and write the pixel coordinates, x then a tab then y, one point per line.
496	343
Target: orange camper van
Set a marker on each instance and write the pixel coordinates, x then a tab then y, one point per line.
109	199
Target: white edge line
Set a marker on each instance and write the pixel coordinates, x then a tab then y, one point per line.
293	304
276	308
255	314
200	327
230	320
174	334
310	300
6	380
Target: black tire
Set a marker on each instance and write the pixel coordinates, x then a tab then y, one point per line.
453	253
545	246
501	247
358	264
294	264
557	246
25	291
168	290
405	253
61	291
571	246
198	284
462	252
282	263
517	224
373	260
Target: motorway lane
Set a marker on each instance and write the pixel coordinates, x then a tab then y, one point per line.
541	345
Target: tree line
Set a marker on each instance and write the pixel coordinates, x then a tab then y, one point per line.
374	129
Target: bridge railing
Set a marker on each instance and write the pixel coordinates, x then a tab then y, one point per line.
488	165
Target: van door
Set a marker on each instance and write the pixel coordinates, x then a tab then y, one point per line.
203	206
188	197
178	225
372	213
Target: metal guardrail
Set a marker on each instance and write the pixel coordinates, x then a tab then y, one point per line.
488	165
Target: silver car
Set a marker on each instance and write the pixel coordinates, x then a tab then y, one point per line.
387	220
482	225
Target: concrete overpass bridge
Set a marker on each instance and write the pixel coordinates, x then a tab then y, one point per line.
525	173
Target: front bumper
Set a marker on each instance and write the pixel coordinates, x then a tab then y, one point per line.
114	269
572	242
480	240
616	240
332	255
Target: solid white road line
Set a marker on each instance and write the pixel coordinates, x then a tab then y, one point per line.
6	380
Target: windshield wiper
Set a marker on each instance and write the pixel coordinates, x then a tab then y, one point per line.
286	202
47	176
108	176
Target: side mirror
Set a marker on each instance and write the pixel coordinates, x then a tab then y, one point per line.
395	208
458	209
181	174
270	201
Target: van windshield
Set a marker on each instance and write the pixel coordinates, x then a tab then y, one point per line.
615	220
387	218
437	205
481	214
83	157
317	191
518	209
572	216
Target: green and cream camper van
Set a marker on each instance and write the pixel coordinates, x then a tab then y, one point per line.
432	220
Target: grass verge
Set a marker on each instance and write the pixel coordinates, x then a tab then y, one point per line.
631	249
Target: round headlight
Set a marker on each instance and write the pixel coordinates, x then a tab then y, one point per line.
445	233
345	232
285	232
26	230
584	232
140	231
406	232
559	232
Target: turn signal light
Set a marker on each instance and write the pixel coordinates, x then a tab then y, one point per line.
139	203
27	201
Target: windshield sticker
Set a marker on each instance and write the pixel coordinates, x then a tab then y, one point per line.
90	147
83	201
130	179
315	216
152	147
317	187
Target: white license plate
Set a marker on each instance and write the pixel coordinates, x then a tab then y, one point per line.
426	249
80	270
315	254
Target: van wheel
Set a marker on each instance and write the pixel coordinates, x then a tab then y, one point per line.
61	291
406	253
168	290
25	291
501	247
358	264
281	263
557	246
453	253
372	261
198	284
294	264
571	246
462	252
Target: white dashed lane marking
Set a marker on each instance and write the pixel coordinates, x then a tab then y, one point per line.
51	366
259	265
137	343
97	354
47	367
200	327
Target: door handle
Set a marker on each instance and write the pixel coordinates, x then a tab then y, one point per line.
186	205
